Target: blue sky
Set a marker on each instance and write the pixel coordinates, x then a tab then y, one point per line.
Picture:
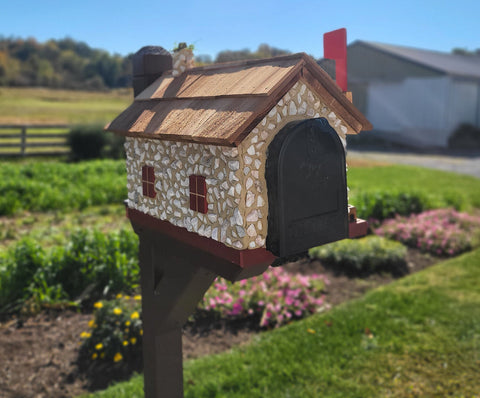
296	25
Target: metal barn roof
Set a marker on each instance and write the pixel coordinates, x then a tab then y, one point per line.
220	104
451	64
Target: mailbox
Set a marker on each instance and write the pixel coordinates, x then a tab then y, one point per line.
307	188
230	167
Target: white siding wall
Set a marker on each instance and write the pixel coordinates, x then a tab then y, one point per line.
423	111
416	108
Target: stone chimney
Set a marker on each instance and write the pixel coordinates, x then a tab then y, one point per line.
148	64
182	59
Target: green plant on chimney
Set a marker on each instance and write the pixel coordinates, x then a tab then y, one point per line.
180	46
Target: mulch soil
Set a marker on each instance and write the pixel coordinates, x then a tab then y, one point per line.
39	354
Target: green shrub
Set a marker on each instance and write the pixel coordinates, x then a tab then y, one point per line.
115	146
17	271
86	141
91	266
465	137
95	265
365	255
381	205
43	186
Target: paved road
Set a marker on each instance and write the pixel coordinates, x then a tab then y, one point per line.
462	165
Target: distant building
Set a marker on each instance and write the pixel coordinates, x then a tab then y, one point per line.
417	97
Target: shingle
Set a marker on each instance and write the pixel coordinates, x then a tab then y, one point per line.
221	103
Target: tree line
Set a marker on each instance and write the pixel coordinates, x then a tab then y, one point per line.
64	63
67	63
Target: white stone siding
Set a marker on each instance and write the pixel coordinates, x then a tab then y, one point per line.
236	186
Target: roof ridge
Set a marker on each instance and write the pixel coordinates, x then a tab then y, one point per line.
248	62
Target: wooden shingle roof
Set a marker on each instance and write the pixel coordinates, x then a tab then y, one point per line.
220	104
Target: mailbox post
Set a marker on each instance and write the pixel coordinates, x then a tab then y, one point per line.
230	168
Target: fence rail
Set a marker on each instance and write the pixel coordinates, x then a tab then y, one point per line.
33	140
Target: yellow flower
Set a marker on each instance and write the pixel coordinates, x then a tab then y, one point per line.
94	356
311	331
125	343
98	305
99	346
91	323
85	335
141	332
135	315
137	297
119	296
127	297
118	357
128	323
133	340
117	311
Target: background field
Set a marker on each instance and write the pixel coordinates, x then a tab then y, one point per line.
39	105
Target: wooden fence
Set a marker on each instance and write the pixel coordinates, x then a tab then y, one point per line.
34	140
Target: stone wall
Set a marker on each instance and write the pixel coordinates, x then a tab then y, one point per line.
236	185
181	61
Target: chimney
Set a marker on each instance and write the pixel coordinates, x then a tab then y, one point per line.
182	59
148	64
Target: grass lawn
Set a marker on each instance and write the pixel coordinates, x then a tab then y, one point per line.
47	106
418	337
55	228
439	188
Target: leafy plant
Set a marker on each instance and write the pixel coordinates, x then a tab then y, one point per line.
95	265
91	266
443	232
17	271
115	333
43	186
381	205
364	255
86	141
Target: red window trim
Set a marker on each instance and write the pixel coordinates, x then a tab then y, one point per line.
198	194
148	181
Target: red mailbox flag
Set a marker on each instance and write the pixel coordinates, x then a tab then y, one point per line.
335	47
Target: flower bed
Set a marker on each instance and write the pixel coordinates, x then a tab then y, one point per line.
443	232
276	297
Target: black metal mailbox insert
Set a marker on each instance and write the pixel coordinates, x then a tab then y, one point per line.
307	188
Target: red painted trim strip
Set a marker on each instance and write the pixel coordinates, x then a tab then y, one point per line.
243	258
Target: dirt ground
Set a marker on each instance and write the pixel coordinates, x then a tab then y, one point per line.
38	355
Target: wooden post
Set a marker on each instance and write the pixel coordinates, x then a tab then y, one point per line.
172	285
175	274
23	140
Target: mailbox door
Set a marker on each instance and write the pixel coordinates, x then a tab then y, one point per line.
307	188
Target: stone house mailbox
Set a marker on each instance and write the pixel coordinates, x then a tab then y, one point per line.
229	167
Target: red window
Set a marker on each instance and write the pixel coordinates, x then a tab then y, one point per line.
148	181
198	194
